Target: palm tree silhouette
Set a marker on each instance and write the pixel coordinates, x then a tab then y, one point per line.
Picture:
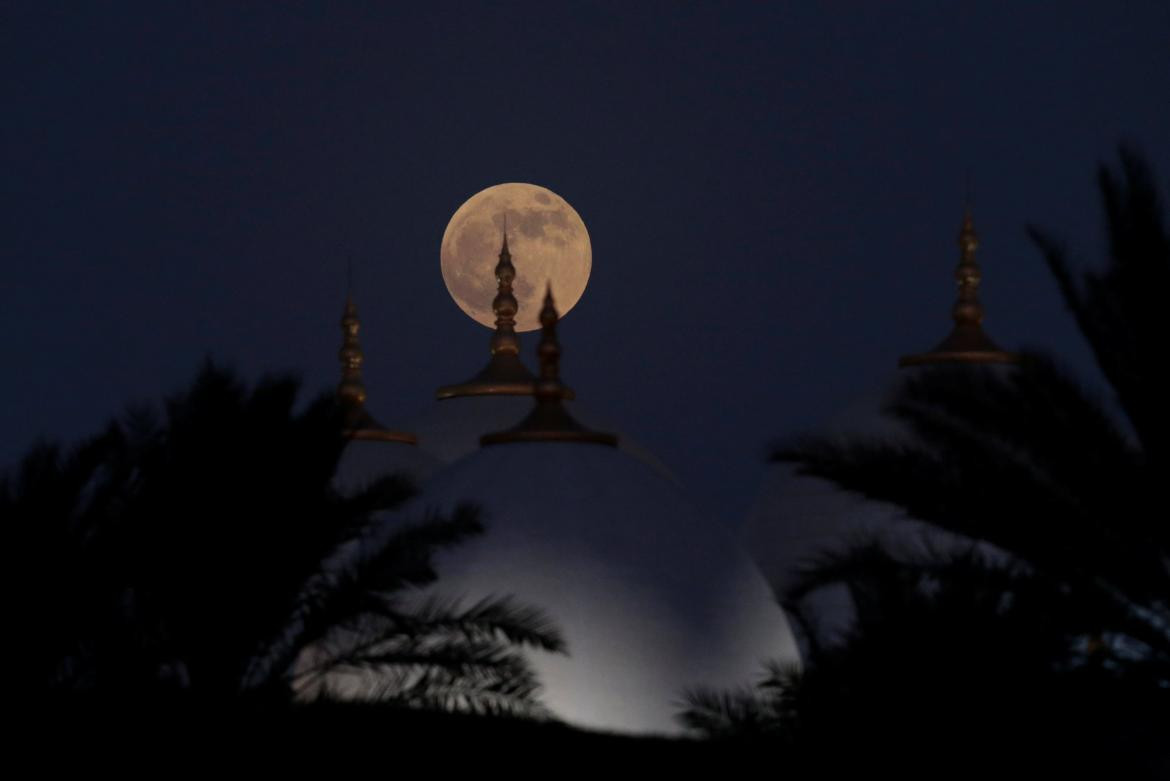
189	552
1067	623
1035	465
355	636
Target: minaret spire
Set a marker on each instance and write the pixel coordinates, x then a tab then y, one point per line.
504	304
351	391
967	342
968	312
549	421
505	374
548	387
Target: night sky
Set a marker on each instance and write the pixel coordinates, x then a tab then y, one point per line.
773	194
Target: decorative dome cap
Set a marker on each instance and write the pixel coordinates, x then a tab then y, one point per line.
967	342
549	421
351	391
505	374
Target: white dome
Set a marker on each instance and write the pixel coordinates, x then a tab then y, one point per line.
652	598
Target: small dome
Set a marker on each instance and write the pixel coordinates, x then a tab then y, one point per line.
652	598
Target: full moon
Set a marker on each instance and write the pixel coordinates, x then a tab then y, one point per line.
547	240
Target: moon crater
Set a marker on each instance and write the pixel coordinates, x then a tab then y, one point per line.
547	240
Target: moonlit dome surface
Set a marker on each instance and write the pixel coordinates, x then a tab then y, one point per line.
651	597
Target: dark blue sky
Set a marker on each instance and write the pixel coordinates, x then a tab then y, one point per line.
772	191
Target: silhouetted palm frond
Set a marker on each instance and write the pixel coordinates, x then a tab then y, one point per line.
1028	460
1120	310
742	713
1048	586
718	714
206	548
995	462
434	654
492	619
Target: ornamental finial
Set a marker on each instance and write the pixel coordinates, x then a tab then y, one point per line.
549	421
505	374
504	304
967	342
351	391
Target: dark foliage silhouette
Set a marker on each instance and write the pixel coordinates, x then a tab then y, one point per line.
203	551
764	711
1054	616
360	636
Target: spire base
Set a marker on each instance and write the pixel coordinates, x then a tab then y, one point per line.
357	423
549	422
504	375
967	343
380	435
967	356
360	424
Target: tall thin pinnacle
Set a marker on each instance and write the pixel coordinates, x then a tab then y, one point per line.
548	387
549	421
505	374
967	342
504	338
967	309
351	391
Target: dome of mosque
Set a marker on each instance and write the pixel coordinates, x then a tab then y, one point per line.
795	517
653	598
